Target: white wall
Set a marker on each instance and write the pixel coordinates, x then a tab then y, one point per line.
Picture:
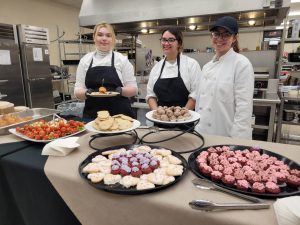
43	14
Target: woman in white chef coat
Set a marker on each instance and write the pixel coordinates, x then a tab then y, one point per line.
173	80
105	67
225	91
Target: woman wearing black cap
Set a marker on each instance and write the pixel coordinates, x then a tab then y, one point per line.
225	91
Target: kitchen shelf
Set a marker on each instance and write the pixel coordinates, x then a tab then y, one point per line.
290	123
283	104
292	40
264	127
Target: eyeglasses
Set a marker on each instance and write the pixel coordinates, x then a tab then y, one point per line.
169	40
223	36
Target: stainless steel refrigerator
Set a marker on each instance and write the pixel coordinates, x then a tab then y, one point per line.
11	81
36	72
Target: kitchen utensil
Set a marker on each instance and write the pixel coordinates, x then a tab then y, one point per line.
209	206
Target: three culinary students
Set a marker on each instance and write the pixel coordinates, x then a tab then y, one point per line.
225	91
105	67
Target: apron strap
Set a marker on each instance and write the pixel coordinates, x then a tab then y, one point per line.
178	66
113	60
90	66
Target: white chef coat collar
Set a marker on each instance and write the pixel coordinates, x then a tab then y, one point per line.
102	54
215	58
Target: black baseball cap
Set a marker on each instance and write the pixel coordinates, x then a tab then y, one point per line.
227	22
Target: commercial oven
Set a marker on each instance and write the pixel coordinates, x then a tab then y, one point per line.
11	82
36	72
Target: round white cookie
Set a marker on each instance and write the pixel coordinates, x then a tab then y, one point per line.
143	184
99	158
156	178
174	170
168	179
173	160
112	179
91	168
96	177
129	181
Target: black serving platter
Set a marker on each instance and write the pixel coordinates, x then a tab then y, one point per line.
286	190
118	188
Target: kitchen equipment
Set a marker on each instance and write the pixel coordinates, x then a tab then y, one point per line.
209	206
294	57
36	114
11	83
36	71
288	115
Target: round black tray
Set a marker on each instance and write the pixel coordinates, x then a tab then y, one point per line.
285	191
118	188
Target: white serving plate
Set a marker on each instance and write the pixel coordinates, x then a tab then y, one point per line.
13	131
195	117
89	127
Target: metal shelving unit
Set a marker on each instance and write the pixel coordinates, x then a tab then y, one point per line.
280	121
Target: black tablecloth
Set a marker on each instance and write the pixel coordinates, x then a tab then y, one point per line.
27	196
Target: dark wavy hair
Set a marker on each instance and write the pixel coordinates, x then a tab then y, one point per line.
178	35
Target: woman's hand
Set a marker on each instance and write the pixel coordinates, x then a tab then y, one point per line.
152	102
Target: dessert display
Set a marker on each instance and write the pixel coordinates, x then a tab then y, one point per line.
172	114
105	122
138	167
8	119
247	170
42	130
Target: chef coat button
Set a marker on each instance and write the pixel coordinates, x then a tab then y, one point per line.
209	109
209	124
212	94
200	108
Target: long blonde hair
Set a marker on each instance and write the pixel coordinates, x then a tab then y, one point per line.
109	27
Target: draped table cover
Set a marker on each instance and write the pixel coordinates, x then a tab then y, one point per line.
170	206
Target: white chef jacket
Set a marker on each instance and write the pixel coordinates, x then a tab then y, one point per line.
123	67
225	96
189	70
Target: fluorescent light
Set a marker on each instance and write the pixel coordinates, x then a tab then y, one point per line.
295	1
192	27
294	13
144	31
251	22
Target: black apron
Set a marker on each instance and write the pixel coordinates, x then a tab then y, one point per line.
115	105
171	91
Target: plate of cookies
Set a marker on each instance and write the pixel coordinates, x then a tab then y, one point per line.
248	170
107	124
133	169
104	94
172	115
